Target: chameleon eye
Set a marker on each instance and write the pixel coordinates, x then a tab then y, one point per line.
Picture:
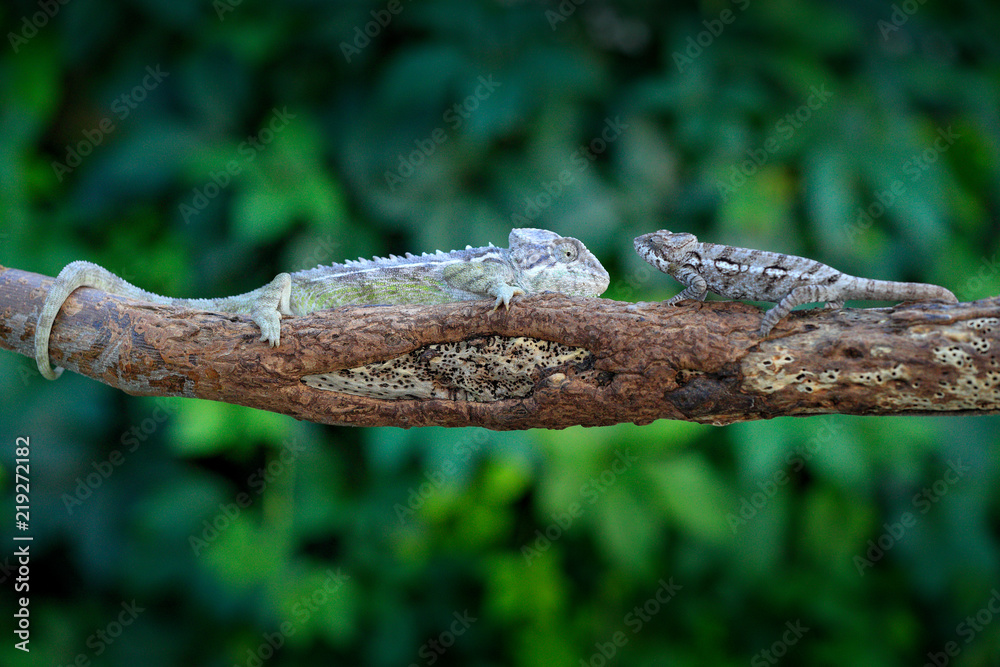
567	252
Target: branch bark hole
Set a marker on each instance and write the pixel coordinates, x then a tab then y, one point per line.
482	369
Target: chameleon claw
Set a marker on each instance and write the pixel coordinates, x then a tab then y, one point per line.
505	296
269	322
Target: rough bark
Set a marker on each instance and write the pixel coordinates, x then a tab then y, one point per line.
697	362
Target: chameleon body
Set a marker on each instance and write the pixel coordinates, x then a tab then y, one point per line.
758	275
536	261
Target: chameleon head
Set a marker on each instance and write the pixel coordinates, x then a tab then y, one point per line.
545	261
663	249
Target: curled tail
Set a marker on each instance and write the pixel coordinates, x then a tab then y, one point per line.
74	275
265	305
886	290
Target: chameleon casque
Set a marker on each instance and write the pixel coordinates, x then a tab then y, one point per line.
758	275
536	261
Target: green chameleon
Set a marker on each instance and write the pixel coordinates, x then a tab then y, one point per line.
536	261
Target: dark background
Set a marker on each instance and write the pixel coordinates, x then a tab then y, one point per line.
199	148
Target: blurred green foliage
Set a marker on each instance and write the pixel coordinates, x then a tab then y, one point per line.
198	148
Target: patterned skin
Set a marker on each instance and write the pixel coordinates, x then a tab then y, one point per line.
758	275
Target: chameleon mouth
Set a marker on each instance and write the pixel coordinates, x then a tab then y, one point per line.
581	288
603	282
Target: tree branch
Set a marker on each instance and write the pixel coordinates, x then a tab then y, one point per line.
698	362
